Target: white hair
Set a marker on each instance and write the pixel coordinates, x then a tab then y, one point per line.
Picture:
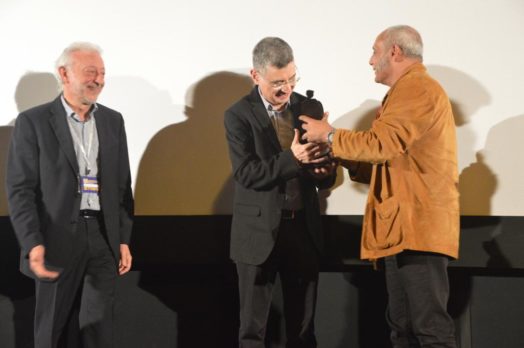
64	60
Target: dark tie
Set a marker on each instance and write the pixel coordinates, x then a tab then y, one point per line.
283	123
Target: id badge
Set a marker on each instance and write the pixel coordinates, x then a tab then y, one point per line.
89	184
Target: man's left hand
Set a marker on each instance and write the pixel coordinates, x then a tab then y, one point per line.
316	130
125	259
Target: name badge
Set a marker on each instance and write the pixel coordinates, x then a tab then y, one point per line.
89	184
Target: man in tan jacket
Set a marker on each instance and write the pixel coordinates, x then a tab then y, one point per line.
412	213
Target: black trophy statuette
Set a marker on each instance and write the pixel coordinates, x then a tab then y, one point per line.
312	108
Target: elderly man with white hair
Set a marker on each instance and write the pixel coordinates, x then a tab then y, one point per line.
70	201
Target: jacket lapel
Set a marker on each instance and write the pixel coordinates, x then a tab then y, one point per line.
104	157
59	125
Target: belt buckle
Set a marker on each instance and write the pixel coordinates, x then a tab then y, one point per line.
87	214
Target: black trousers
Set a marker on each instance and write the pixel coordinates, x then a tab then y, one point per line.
92	271
295	259
418	291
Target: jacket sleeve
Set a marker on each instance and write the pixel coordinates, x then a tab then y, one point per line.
406	117
358	171
22	180
124	190
249	168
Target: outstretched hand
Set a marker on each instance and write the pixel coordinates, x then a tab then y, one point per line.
316	131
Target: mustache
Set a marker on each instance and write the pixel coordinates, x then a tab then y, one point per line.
95	84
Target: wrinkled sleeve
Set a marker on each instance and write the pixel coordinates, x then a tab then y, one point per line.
405	119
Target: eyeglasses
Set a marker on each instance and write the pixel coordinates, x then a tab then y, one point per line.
281	83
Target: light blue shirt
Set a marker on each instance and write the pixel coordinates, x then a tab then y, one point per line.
85	142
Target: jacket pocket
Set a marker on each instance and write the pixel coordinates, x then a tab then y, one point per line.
387	231
249	210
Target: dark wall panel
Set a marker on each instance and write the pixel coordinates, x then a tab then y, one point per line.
182	290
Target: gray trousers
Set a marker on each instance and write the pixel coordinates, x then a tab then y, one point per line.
418	292
92	271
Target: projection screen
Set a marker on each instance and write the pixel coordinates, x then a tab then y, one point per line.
173	67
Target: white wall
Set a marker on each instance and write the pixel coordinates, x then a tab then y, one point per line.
174	66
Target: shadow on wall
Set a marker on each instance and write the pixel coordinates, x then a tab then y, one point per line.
185	169
34	88
502	152
477	183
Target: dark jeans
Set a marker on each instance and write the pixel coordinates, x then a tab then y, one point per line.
295	259
418	291
93	271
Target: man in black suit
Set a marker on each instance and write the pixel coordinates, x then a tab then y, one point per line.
276	224
70	201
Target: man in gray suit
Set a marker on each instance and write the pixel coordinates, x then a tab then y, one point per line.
276	218
70	201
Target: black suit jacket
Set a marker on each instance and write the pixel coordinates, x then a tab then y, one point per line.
43	182
261	169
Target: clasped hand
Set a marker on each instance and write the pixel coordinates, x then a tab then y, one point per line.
309	153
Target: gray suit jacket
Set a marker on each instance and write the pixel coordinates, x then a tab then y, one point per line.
261	169
43	182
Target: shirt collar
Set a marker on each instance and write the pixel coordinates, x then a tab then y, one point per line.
69	111
268	106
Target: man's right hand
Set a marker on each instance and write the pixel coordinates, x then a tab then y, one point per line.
308	153
36	264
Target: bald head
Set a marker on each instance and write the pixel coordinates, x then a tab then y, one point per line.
406	38
394	51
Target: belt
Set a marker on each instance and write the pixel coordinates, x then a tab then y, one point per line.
291	214
90	214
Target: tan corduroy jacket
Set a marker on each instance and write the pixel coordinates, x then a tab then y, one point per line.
413	201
